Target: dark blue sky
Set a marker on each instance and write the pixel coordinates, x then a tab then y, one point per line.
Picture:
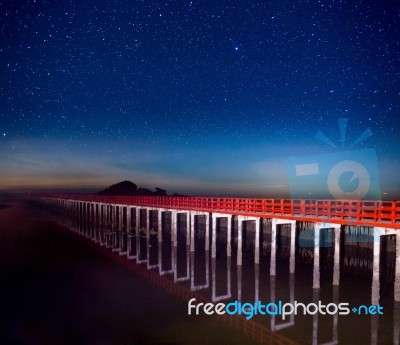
198	97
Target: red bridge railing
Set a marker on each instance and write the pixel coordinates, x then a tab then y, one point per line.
353	212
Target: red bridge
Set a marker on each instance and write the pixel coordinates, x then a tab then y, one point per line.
351	212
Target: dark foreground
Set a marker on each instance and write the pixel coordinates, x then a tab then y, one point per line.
57	290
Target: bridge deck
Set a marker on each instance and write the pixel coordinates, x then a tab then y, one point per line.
352	212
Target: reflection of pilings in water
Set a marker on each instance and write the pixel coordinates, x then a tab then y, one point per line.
174	262
358	258
256	282
290	322
396	323
111	219
206	285
335	332
272	286
291	288
374	329
187	276
316	293
228	294
259	332
375	289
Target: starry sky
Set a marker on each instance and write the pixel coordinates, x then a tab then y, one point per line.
197	97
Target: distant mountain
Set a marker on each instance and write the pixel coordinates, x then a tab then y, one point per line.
129	188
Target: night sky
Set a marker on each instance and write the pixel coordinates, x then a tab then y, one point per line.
197	97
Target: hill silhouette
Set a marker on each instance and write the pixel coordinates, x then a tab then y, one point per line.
130	188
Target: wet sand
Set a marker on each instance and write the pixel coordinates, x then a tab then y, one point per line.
57	290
